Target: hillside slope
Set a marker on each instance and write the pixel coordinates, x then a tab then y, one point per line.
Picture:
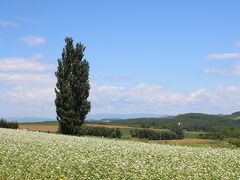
190	121
34	155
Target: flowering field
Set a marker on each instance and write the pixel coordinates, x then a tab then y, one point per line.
33	155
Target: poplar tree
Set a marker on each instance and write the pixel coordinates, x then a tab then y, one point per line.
72	88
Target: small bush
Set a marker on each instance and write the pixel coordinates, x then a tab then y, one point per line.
152	135
100	131
234	141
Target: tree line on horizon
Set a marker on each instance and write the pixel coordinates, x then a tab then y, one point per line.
8	124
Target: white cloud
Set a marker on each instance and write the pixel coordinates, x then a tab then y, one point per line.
33	40
142	98
216	71
18	78
156	100
18	70
234	71
32	63
223	56
26	95
25	101
6	24
27	86
237	44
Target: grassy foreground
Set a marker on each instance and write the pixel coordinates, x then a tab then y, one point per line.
35	155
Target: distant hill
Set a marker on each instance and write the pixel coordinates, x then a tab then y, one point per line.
89	117
190	121
122	116
29	119
236	113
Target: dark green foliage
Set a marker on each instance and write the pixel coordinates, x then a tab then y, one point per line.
152	134
221	132
234	141
178	130
213	126
100	131
6	124
144	126
236	113
190	121
72	88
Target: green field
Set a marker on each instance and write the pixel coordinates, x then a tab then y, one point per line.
126	131
42	122
193	134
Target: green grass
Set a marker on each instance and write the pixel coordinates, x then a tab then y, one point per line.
125	132
193	134
42	123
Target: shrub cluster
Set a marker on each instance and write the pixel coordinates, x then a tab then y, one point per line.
178	131
100	131
234	141
153	135
6	124
221	133
230	135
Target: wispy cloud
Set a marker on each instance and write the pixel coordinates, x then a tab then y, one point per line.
32	63
5	24
18	78
30	86
26	19
217	71
155	99
28	101
23	94
33	40
141	98
234	71
32	69
237	44
223	56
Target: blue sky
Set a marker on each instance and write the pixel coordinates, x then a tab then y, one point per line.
152	57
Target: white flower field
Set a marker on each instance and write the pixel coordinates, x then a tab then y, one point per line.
33	155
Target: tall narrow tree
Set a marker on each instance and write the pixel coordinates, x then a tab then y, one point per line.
72	88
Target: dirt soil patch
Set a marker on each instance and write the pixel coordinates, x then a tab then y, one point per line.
39	127
54	127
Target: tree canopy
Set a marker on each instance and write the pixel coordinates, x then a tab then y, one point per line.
72	88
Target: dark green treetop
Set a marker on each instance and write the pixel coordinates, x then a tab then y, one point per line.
72	88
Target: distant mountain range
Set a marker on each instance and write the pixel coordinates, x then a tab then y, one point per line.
30	119
190	116
188	121
122	116
89	117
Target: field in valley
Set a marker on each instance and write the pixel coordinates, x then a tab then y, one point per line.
36	155
190	141
190	136
39	127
